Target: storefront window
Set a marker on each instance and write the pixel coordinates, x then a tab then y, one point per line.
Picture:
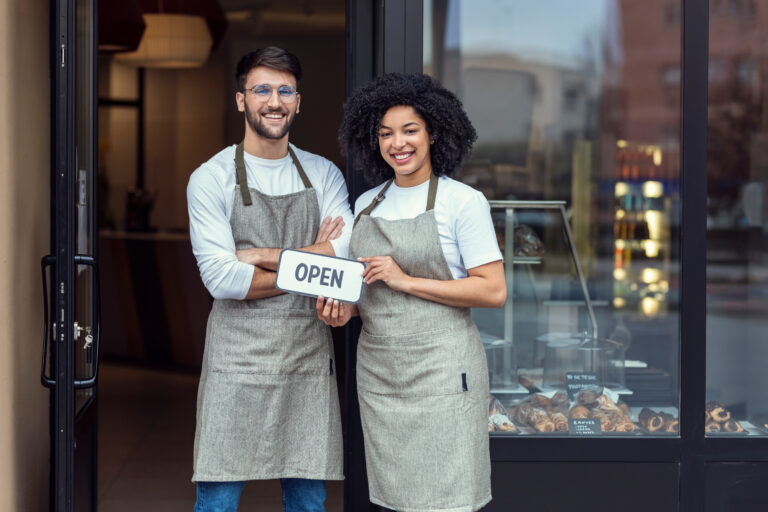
578	118
737	220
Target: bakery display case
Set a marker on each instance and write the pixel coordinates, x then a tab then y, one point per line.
552	369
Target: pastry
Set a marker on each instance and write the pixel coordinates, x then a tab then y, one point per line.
605	403
732	426
718	411
560	421
540	401
605	422
500	423
528	384
712	426
579	412
588	396
540	421
624	408
671	424
650	420
624	425
559	401
523	413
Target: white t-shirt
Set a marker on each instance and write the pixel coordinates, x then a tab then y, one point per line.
463	219
210	196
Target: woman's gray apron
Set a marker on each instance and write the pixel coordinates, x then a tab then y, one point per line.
267	405
422	378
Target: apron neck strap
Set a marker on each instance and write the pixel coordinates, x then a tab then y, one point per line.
431	195
242	177
307	183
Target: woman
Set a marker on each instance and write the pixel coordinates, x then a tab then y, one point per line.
431	254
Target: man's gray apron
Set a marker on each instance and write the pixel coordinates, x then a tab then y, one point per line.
422	378
267	405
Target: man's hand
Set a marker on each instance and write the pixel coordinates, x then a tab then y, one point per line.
267	258
330	229
249	256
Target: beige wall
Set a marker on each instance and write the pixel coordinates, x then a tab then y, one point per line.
24	235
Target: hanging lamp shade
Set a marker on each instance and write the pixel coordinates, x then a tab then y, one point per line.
179	33
120	25
171	41
208	9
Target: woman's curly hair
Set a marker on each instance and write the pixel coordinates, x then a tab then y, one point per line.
447	123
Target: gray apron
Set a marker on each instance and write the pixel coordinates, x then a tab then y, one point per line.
267	404
422	378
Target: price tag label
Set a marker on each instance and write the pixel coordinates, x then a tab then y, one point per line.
575	382
311	274
584	427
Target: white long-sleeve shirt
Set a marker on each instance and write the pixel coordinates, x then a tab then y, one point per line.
210	196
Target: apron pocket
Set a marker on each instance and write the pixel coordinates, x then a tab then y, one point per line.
420	364
268	341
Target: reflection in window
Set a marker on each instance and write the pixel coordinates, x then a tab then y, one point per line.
580	109
737	220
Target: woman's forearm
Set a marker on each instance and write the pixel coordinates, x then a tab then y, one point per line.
469	292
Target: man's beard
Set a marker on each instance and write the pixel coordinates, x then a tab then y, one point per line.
257	125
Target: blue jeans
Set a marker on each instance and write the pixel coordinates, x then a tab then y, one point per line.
299	495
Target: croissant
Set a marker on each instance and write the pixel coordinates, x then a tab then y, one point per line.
579	412
606	403
560	421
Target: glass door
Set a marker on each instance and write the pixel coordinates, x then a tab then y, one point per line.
70	274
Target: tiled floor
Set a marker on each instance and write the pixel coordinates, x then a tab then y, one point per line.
146	432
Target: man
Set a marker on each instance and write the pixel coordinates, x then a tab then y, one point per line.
267	403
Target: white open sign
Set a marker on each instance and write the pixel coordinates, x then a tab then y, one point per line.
311	274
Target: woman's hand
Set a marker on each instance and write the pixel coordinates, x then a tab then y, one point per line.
384	268
334	312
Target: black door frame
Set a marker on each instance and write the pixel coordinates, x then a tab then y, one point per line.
68	426
63	252
383	36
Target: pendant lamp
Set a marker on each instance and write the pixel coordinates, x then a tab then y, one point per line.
120	25
178	34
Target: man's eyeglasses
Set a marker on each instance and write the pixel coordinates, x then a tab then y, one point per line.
286	93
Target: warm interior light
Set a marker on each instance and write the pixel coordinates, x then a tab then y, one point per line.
619	274
621	189
653	218
621	143
651	248
653	189
171	41
650	275
657	156
649	306
619	302
620	214
620	244
664	285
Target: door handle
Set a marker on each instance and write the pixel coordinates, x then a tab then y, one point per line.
91	262
49	261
